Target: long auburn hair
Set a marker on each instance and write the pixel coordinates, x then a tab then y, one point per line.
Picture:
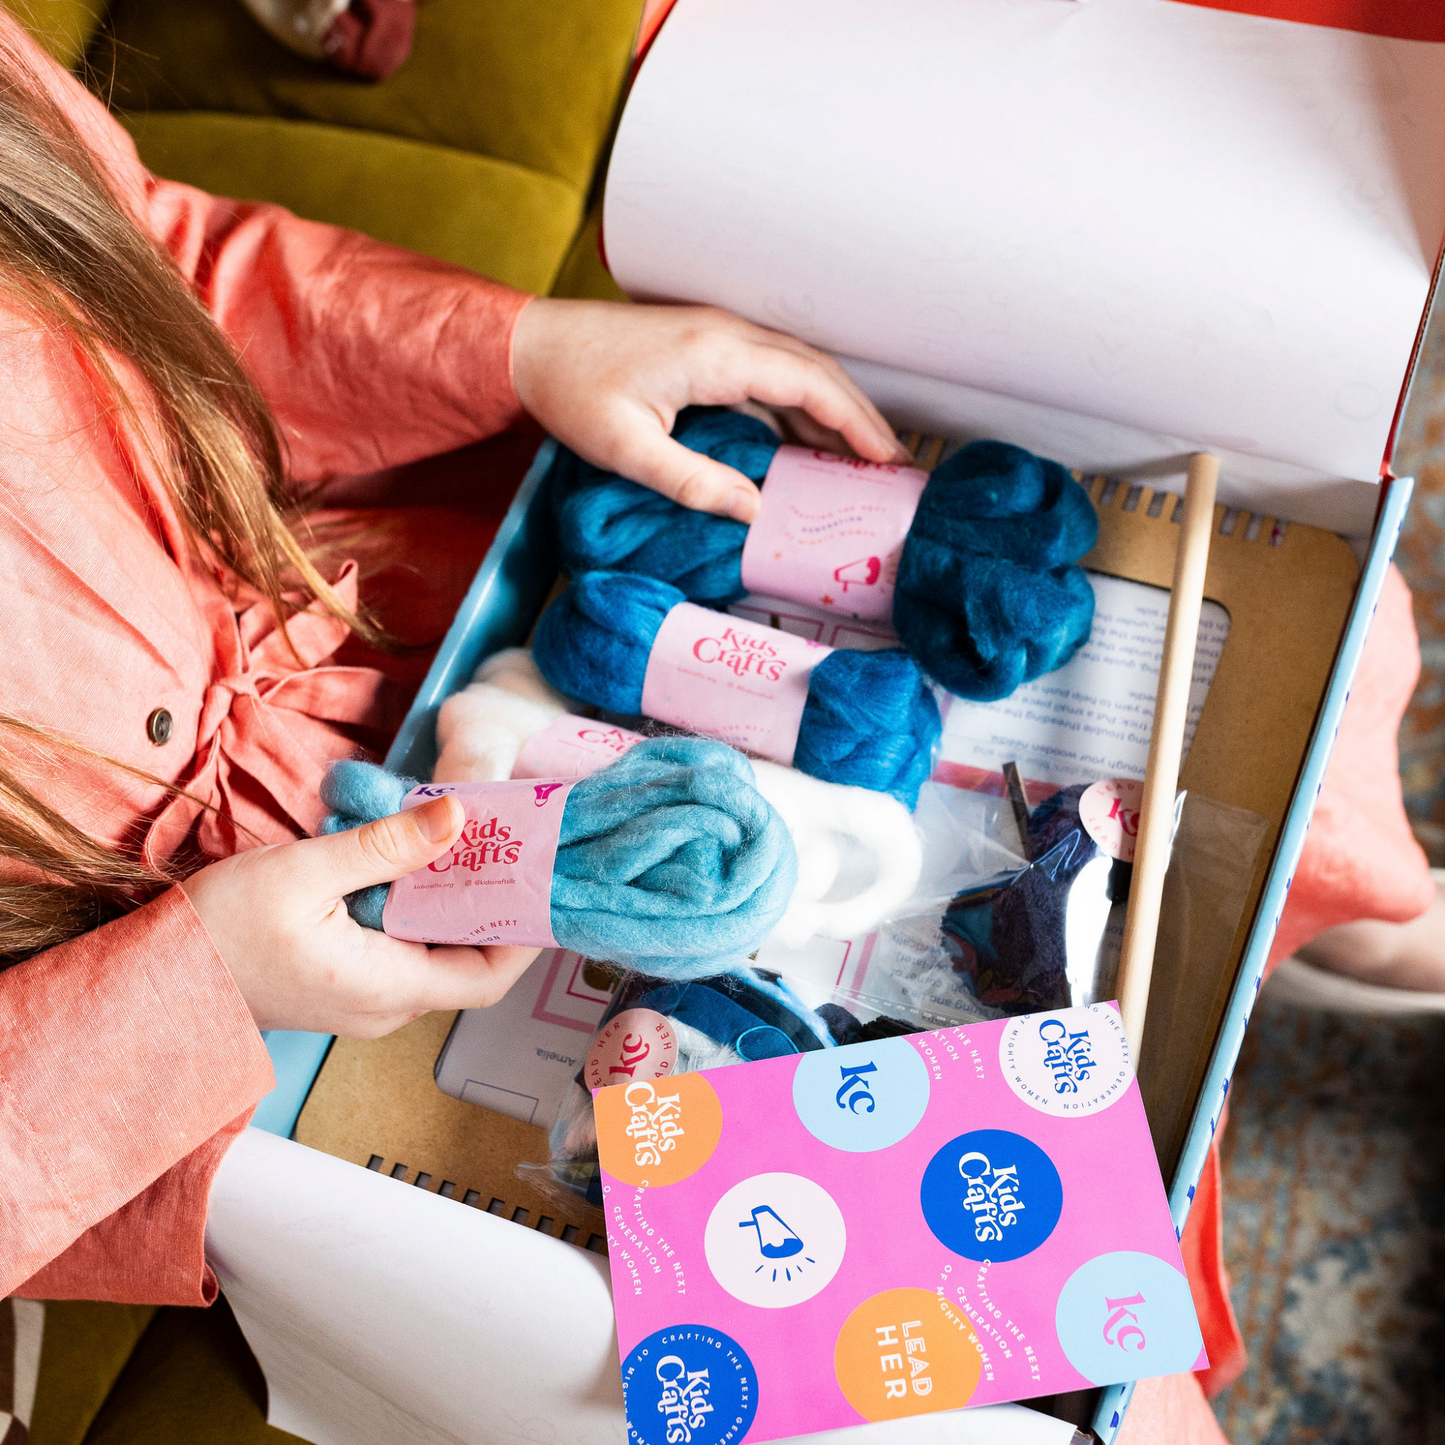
73	258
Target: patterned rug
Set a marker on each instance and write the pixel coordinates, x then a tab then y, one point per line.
1422	560
1335	1231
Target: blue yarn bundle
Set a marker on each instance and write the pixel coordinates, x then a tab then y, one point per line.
870	719
987	595
670	861
608	524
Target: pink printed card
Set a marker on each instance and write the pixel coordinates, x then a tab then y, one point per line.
888	1229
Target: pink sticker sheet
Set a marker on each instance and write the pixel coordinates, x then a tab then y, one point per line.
495	885
573	747
728	678
830	532
888	1229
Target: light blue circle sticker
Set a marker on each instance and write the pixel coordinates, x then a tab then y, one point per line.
863	1096
1125	1316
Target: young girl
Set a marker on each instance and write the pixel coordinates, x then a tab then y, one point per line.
183	378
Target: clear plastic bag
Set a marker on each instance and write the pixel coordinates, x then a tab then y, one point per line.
1012	913
1020	910
654	1029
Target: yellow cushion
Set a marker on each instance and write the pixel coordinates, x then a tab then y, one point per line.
534	82
191	1381
583	275
83	1351
63	27
499	219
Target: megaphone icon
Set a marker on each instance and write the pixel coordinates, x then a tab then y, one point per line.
775	1239
863	572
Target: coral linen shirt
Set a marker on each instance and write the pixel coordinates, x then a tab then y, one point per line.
128	1060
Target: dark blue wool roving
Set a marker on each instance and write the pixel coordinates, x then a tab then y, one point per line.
870	719
670	861
605	523
988	596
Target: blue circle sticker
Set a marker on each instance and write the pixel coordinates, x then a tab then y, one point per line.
863	1096
1126	1315
689	1385
991	1195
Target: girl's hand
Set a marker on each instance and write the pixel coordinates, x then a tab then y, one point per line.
608	379
278	919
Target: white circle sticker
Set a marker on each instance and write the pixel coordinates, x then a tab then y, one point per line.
638	1044
775	1240
1109	812
1068	1063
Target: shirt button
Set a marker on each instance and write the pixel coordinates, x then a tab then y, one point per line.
158	727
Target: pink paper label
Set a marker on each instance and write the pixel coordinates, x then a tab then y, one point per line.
639	1043
831	531
572	747
729	679
1109	812
495	885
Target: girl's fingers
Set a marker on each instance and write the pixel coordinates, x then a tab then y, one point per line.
868	413
654	459
453	978
817	385
399	981
383	851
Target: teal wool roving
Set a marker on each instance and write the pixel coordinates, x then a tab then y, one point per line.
870	718
669	861
987	596
605	523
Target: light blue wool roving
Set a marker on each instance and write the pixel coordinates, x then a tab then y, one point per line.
670	861
988	595
871	718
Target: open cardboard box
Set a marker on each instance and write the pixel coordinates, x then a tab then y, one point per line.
1114	233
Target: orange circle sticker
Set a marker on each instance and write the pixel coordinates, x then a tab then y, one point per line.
657	1131
906	1352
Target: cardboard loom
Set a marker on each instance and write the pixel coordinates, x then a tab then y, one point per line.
377	1104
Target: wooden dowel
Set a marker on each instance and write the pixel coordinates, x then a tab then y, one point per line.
1166	744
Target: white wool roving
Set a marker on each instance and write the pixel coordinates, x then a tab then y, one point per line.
481	729
819	815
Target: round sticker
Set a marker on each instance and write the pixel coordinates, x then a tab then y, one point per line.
1109	812
1067	1063
775	1240
991	1195
638	1044
657	1131
689	1383
906	1352
1126	1315
863	1096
